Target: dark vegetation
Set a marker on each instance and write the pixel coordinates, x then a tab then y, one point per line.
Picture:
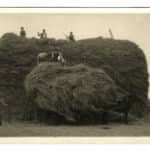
122	60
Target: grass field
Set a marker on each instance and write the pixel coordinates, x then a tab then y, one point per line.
15	129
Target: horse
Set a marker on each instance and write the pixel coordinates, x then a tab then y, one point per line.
126	104
122	106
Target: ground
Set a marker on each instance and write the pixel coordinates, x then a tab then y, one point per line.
137	128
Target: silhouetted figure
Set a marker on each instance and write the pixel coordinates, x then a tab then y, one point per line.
55	56
55	53
111	33
43	35
22	32
71	37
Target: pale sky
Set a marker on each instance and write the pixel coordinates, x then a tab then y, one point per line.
134	27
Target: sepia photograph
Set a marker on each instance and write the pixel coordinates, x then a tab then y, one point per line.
74	75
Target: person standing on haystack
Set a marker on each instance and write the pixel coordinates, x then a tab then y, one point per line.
22	32
43	35
71	37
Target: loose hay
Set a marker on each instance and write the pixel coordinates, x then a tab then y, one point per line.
78	93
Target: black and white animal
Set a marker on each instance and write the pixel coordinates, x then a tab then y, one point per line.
53	56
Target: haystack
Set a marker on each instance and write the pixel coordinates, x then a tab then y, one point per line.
122	60
78	93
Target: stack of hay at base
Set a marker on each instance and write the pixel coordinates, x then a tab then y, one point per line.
78	93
